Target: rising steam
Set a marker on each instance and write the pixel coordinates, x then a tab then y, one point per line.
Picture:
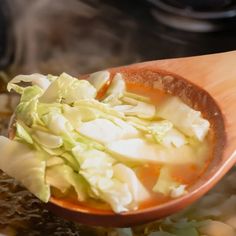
75	36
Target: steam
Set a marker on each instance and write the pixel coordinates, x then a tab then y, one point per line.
72	36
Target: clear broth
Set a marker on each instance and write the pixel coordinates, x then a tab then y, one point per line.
148	173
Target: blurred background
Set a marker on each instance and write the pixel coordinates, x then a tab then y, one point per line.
80	36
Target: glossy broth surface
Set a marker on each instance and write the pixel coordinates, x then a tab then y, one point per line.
186	174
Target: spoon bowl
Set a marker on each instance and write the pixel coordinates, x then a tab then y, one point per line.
206	83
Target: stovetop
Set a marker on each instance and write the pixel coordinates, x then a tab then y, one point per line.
161	41
138	36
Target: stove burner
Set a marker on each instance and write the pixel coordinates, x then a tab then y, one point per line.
197	16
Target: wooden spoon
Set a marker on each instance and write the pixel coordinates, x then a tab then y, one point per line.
206	82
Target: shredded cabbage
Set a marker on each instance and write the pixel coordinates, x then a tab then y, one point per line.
22	133
40	80
67	140
167	185
68	89
96	167
63	177
117	87
26	165
187	120
99	79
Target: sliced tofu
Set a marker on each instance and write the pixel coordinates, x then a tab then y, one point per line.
106	131
138	150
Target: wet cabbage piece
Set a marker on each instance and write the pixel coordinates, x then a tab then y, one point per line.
23	214
20	212
119	150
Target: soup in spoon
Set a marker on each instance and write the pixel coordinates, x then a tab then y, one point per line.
104	143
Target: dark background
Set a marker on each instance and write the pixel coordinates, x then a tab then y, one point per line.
115	33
